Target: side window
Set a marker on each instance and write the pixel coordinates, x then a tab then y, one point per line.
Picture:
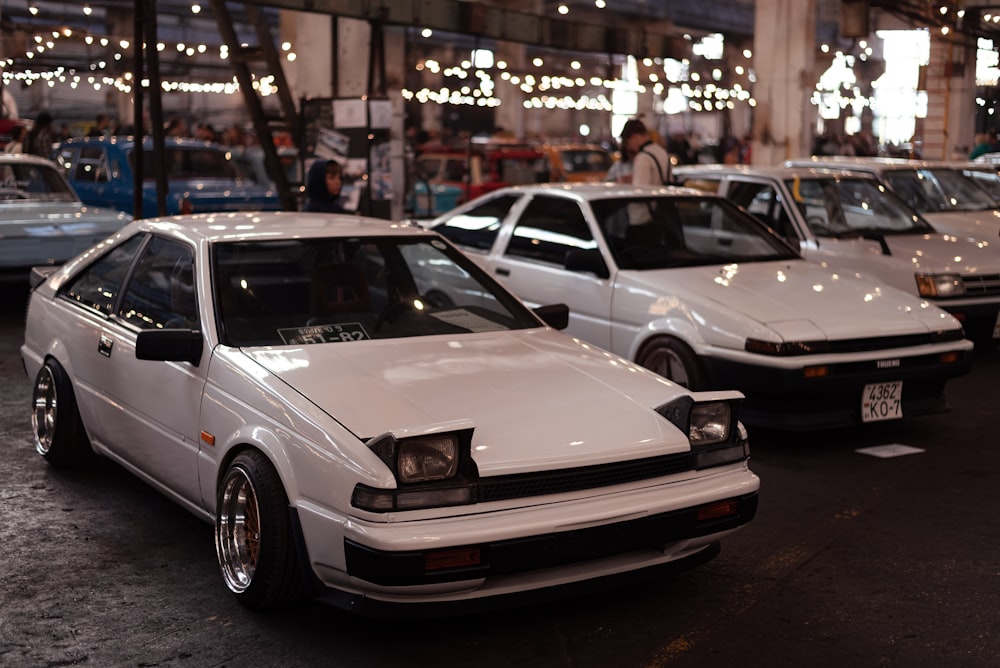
549	228
65	157
478	227
764	202
97	287
160	293
92	165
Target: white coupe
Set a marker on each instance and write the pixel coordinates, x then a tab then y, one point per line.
693	287
853	223
367	417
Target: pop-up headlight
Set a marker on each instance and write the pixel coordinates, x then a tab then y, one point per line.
431	470
712	427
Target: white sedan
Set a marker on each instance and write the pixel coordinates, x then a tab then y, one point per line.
691	286
367	417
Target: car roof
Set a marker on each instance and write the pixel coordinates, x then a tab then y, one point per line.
778	172
126	142
272	225
14	158
595	190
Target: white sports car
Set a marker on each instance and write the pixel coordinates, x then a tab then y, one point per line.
953	197
691	286
853	223
367	417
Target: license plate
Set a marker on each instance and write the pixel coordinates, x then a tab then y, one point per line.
882	401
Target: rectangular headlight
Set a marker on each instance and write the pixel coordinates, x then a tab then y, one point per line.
939	286
427	458
710	423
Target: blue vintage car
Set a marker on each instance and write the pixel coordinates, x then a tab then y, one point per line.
201	177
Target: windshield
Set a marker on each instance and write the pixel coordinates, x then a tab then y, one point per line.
844	207
938	189
986	178
20	182
342	290
190	163
665	232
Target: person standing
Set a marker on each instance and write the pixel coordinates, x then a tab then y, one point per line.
650	161
101	126
16	144
323	185
40	138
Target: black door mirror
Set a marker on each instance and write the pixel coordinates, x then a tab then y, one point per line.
169	345
555	316
586	260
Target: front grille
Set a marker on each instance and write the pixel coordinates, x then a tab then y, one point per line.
981	286
890	342
520	485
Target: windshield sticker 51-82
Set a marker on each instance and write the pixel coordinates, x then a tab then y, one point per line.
343	332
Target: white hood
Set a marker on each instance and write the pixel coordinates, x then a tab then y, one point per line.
802	301
910	254
548	401
976	225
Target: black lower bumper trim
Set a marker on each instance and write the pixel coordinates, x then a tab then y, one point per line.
535	552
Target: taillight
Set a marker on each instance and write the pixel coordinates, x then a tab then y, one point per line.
186	206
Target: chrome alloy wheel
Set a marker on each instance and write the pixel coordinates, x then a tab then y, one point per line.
237	530
44	410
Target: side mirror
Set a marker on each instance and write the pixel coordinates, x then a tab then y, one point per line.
586	260
555	316
169	345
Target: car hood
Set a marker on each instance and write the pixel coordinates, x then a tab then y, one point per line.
978	225
930	253
801	301
537	399
60	218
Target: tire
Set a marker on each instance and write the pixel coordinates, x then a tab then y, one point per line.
253	535
673	360
55	420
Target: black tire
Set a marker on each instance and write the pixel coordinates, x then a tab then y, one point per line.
672	359
254	541
55	420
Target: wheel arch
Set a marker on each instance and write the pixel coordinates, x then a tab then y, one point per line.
680	329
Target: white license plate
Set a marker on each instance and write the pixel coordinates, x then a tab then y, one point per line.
882	401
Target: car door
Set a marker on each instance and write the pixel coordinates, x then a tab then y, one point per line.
549	234
145	413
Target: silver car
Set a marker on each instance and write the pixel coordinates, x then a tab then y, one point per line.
42	220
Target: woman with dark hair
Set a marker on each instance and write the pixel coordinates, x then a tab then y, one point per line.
323	184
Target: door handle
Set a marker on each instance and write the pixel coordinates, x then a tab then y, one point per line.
105	345
502	272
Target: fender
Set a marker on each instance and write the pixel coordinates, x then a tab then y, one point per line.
679	328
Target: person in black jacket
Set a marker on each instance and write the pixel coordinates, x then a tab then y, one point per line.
323	184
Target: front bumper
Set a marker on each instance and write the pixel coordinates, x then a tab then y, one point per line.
784	398
504	557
